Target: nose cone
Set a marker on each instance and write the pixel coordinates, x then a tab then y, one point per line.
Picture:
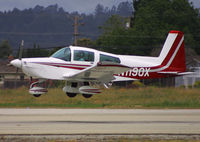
17	63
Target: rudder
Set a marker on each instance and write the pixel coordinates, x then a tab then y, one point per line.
172	56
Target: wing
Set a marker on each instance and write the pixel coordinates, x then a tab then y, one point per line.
101	72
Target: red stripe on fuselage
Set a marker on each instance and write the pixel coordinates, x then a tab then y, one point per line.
77	68
63	65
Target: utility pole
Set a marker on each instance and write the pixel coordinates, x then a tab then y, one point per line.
75	30
76	24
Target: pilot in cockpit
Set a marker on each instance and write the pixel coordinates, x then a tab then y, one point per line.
81	56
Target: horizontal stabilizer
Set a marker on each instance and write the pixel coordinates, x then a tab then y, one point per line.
176	73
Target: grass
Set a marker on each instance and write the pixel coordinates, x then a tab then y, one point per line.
149	97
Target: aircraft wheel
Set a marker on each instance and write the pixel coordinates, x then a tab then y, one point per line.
87	95
71	95
36	95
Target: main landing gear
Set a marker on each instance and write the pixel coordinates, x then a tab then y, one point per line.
71	95
84	88
87	95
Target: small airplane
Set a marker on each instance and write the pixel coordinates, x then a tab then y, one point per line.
82	67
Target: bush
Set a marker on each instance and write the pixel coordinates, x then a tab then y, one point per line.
137	84
197	84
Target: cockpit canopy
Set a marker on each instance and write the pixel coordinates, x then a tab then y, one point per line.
63	54
79	55
83	55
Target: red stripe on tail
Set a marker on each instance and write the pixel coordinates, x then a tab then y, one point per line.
178	63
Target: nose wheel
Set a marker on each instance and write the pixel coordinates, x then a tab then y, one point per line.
36	95
36	90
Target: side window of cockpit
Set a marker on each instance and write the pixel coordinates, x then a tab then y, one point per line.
109	58
80	55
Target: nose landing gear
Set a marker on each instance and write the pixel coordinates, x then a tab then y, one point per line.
37	90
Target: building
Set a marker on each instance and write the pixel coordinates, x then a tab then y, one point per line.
10	77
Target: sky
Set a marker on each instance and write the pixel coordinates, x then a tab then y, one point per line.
196	3
82	6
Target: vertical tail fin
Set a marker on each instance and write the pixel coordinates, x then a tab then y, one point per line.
172	56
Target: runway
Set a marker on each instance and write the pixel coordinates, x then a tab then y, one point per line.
99	121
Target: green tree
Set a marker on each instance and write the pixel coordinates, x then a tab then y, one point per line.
5	49
114	35
155	18
151	22
85	42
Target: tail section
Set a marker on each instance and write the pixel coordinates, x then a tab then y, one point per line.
172	56
171	61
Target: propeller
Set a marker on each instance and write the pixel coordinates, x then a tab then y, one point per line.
17	62
21	49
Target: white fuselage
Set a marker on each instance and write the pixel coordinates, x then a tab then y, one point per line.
57	69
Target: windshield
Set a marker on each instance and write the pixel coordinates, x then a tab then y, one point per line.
63	54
